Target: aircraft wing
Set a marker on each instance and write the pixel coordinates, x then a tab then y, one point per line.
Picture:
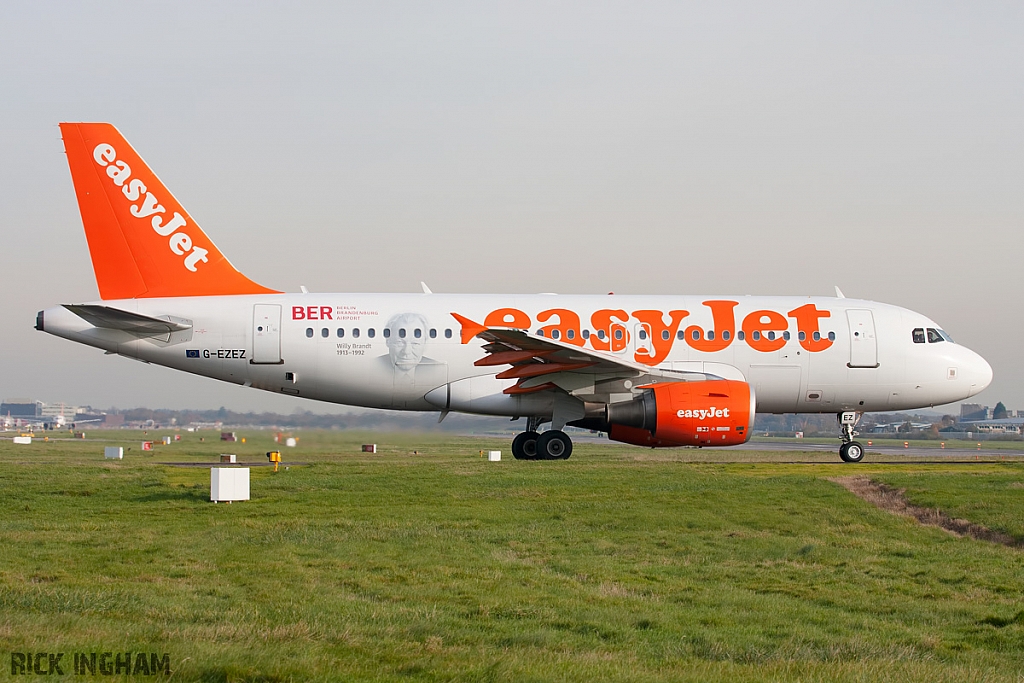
541	363
126	321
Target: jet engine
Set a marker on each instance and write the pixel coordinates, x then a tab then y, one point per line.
707	413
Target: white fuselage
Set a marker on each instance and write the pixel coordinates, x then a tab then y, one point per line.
407	352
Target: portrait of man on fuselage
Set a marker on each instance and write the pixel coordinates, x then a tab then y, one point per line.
406	338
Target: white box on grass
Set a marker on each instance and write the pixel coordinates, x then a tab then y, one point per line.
229	483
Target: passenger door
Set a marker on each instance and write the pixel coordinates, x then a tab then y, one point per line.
266	334
863	345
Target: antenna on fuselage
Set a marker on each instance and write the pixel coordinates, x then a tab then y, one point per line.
839	293
426	290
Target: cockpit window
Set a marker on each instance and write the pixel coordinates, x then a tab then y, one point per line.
919	335
946	336
934	337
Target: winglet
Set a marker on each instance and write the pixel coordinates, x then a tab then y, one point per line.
469	328
142	241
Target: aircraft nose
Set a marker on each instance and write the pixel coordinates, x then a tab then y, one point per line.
979	373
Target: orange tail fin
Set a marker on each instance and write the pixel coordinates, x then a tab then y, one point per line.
142	242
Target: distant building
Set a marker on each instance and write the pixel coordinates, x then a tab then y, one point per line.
57	410
21	408
974	411
1010	425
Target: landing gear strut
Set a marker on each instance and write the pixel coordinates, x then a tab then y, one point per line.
850	450
553	444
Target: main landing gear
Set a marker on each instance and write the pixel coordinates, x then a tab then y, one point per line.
850	450
553	444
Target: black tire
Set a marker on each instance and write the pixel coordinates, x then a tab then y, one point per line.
554	444
524	446
851	452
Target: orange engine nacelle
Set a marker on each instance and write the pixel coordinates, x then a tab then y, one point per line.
716	412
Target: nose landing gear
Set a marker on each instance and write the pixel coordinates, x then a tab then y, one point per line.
850	450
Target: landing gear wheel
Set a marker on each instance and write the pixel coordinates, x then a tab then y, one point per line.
554	444
524	446
851	452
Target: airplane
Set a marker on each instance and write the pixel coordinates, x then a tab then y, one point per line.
652	371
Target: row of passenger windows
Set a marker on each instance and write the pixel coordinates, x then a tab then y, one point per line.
696	335
371	333
571	334
934	336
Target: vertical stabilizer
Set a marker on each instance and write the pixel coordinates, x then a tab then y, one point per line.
142	241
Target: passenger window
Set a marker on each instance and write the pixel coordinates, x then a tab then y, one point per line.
831	336
801	335
934	337
741	335
418	333
771	335
919	335
387	333
447	334
540	333
433	333
355	333
785	335
325	333
755	335
600	334
695	335
341	332
586	334
570	334
643	333
618	334
554	334
711	335
725	335
309	332
401	333
666	335
371	333
680	335
816	336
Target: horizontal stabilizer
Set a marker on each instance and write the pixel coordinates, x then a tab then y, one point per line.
125	321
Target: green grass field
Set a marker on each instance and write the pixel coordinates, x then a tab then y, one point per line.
620	564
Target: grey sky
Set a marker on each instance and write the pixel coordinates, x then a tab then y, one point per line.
748	148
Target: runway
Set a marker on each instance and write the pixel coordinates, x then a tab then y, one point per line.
913	451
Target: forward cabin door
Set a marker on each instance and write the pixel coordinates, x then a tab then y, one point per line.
266	334
863	346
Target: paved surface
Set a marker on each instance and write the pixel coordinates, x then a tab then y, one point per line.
912	451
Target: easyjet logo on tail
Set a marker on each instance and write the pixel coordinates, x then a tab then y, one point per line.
134	190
